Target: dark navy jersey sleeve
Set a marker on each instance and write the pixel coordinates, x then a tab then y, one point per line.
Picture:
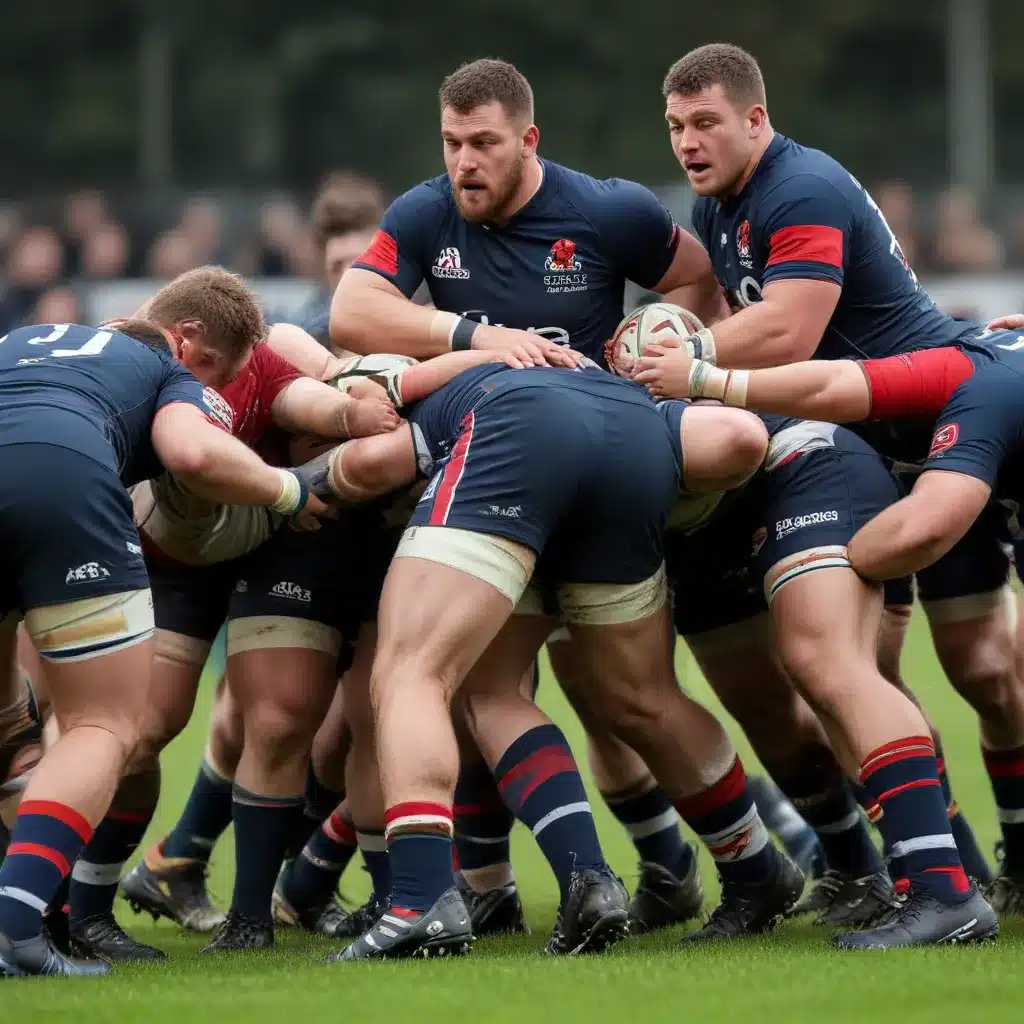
980	428
804	226
178	385
401	249
640	233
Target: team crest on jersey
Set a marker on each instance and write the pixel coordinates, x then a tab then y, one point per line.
563	257
563	269
944	439
743	244
449	265
219	409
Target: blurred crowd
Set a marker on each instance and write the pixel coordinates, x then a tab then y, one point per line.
48	251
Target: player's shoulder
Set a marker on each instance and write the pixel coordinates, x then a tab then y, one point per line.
600	196
428	197
795	171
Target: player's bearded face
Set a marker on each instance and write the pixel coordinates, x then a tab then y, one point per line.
483	153
711	139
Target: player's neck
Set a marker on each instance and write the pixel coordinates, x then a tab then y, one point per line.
762	144
533	178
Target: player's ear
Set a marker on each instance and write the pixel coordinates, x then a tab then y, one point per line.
530	139
757	119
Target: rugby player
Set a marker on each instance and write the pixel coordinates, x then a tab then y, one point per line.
811	268
513	249
98	410
626	639
189	545
969	395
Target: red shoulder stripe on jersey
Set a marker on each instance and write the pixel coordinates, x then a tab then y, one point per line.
806	243
916	383
382	254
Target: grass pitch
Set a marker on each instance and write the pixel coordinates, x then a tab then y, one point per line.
791	975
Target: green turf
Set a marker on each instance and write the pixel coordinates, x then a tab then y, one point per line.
790	976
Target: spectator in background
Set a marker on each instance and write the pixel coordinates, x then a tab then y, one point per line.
196	239
963	242
344	217
104	253
85	212
170	255
57	305
35	261
202	224
896	201
281	247
1015	252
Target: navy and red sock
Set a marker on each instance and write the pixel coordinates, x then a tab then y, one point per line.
97	872
1006	774
653	825
903	779
482	821
966	842
48	836
725	817
539	780
419	841
374	851
825	800
314	874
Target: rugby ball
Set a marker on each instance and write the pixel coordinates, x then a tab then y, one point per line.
652	324
380	364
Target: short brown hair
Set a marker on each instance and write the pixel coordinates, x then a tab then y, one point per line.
487	81
141	330
348	202
722	64
217	298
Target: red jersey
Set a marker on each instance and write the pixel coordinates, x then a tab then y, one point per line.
246	400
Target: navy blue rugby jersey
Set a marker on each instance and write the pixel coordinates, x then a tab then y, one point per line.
558	267
92	391
803	215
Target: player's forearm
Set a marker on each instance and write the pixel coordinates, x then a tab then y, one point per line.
301	349
420	380
368	320
763	334
308	406
898	541
836	391
221	468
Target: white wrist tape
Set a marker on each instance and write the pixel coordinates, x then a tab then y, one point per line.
726	386
290	495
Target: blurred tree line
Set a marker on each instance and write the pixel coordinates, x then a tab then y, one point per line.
258	92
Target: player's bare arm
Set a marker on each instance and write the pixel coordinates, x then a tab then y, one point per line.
217	466
310	406
690	282
785	327
832	390
919	529
369	314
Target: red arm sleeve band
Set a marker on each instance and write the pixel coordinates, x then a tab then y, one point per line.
916	383
806	243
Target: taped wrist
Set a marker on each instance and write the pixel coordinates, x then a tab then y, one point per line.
292	496
726	386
